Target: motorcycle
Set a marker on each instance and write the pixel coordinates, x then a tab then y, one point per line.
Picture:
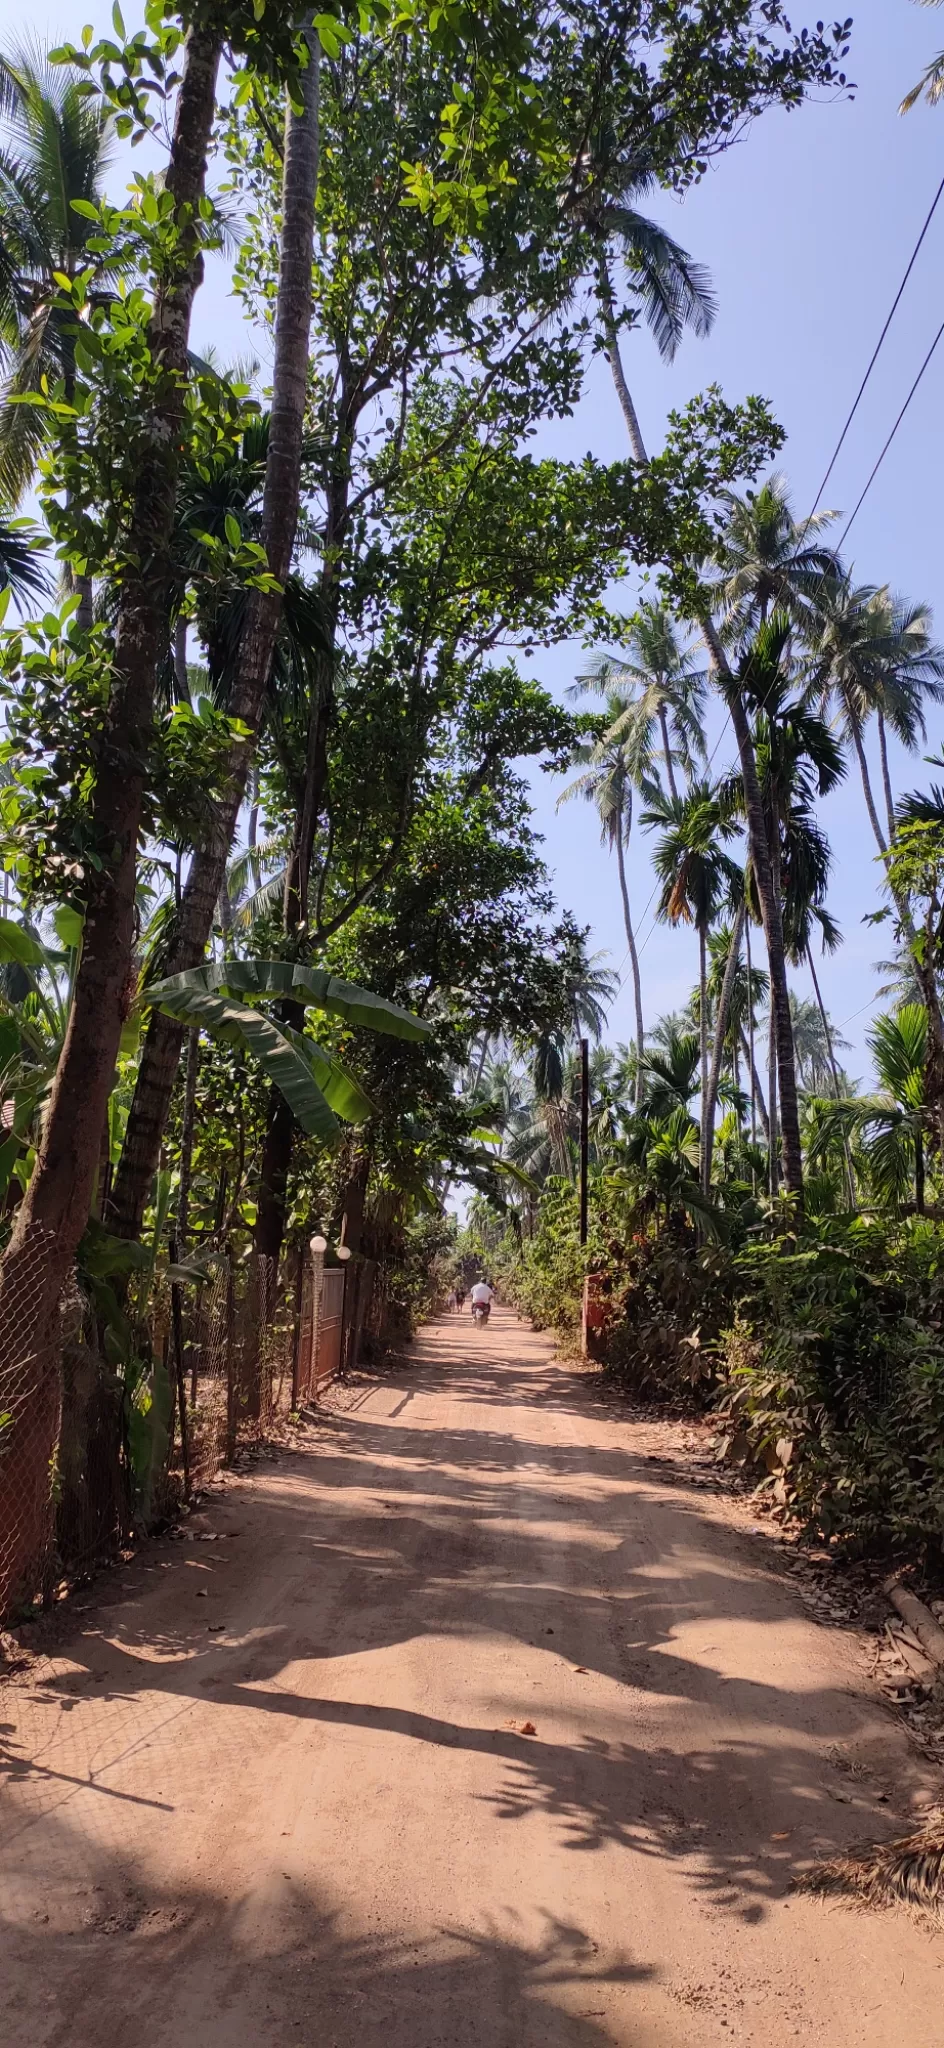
481	1310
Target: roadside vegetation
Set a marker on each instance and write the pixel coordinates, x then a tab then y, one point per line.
279	952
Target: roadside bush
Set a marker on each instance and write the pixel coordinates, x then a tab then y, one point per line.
672	1303
544	1276
833	1372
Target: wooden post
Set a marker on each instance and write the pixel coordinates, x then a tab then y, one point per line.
178	1327
584	1133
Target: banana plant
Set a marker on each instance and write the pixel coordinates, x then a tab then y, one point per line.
222	997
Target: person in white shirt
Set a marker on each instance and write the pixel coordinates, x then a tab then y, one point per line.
482	1295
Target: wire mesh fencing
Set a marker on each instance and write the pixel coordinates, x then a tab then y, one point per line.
99	1441
30	1410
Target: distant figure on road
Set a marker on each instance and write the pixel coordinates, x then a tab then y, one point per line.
459	1297
482	1297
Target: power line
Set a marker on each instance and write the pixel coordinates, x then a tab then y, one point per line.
876	352
874	472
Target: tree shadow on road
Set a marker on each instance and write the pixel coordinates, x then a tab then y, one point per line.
116	1958
387	1532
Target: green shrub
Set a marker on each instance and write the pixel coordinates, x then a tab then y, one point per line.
674	1300
833	1373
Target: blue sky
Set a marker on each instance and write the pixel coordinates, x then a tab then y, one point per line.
806	227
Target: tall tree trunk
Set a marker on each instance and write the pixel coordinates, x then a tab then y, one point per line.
886	778
756	826
273	1176
225	908
750	1027
186	1139
180	660
773	840
773	1149
827	1034
55	1210
717	1053
355	1198
611	336
919	1169
758	1105
771	915
703	1036
667	750
857	741
279	523
634	959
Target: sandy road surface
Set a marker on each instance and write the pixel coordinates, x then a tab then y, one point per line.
320	1823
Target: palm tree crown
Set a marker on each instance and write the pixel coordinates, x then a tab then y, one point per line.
765	560
55	148
663	690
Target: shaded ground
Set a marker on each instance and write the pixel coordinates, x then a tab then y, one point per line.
277	1789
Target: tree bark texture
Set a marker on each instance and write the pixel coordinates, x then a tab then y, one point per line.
667	750
55	1210
886	777
634	960
757	833
771	917
615	360
758	1105
717	1051
703	1040
827	1034
281	493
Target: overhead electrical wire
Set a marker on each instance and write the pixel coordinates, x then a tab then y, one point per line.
850	416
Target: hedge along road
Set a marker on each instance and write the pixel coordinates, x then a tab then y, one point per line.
281	1788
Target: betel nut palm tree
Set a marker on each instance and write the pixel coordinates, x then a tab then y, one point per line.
697	877
56	145
872	656
605	781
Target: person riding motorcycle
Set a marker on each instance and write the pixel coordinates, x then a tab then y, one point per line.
481	1301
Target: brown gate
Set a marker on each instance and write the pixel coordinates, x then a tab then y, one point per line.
330	1325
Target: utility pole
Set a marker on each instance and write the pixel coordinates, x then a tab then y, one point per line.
584	1132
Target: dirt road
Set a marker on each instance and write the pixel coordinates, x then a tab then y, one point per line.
277	1788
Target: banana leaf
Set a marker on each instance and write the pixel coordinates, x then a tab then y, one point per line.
310	985
17	944
339	1087
246	1028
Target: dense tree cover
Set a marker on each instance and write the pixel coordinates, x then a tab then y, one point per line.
266	741
713	1277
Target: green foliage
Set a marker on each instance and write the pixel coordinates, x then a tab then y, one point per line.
835	1380
544	1278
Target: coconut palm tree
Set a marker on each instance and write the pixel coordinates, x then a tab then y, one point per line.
872	655
697	876
664	691
765	561
666	288
817	1042
794	759
605	781
930	85
21	564
56	145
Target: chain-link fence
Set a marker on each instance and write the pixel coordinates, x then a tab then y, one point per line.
30	1411
102	1434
